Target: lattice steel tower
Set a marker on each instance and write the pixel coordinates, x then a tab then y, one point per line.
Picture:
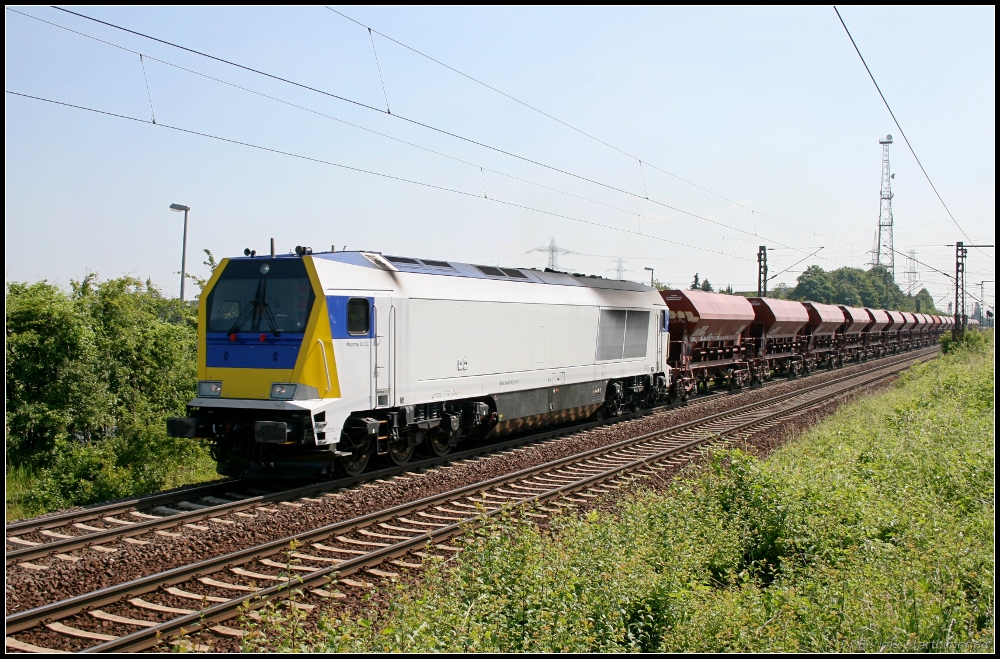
882	252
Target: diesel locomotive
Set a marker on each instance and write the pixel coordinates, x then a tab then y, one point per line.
311	362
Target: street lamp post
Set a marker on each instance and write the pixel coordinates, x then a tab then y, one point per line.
177	208
650	277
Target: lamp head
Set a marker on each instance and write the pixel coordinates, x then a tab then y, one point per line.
179	207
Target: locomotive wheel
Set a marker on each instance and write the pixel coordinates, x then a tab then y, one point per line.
400	451
437	444
354	465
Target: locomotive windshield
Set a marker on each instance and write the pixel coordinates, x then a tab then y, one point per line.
261	296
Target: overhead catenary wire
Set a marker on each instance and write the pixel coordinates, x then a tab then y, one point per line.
356	169
640	161
418	146
896	121
148	94
405	119
366	129
952	277
793	265
572	127
380	78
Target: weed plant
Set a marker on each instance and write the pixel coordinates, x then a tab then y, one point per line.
277	625
872	532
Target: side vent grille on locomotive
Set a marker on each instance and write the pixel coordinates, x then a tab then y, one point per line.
514	273
622	334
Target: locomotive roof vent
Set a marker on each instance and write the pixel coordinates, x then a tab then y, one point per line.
403	260
409	262
490	271
436	264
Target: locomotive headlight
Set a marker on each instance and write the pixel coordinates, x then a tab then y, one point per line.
283	391
209	388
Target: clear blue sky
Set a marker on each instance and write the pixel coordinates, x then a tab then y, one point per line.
768	107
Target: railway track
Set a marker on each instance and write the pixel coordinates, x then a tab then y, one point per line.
95	527
136	615
124	521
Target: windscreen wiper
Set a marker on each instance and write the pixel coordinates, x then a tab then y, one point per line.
266	314
262	310
257	311
249	311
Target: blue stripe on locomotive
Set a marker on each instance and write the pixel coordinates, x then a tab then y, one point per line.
248	351
337	307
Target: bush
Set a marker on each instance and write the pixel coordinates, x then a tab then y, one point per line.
972	339
91	374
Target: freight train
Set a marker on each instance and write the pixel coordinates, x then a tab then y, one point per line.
313	362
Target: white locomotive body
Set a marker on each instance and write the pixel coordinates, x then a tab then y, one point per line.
394	353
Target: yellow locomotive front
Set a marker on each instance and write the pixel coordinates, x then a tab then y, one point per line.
262	369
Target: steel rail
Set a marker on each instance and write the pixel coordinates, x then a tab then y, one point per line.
71	606
150	636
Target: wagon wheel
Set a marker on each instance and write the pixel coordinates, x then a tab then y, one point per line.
400	450
437	444
361	453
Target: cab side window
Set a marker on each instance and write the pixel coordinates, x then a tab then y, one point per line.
358	316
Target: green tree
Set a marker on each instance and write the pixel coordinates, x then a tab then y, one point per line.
814	284
780	291
707	286
209	263
924	302
696	284
146	342
851	286
55	384
91	375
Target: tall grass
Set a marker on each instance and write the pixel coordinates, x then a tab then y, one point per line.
872	532
138	463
